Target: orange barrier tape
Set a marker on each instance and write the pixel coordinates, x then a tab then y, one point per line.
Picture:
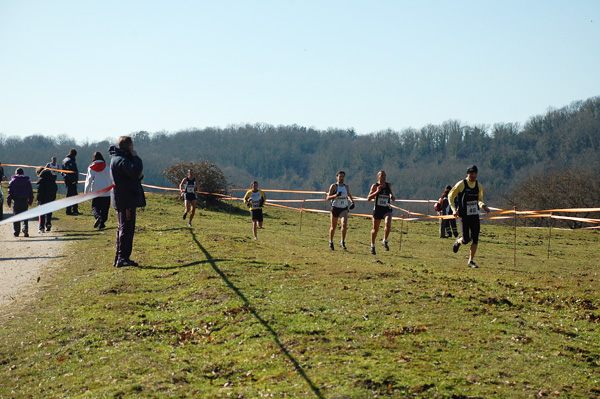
303	200
574	210
160	188
587	220
35	167
407	211
421	201
500	211
282	191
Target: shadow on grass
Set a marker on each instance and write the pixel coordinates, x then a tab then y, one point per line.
282	347
170	229
200	262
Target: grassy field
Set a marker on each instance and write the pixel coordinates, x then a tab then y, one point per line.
212	313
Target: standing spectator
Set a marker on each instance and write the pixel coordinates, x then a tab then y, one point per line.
98	178
1	192
46	192
69	164
127	194
20	194
447	226
470	198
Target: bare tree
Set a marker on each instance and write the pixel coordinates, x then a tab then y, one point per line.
573	188
209	178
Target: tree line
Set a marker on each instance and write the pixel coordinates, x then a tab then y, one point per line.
419	162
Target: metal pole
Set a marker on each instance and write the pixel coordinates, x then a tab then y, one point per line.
301	208
401	234
515	246
549	235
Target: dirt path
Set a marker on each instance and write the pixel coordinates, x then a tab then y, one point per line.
22	260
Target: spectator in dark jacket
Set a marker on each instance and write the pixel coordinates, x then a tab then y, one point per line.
20	194
1	193
127	195
447	226
46	192
71	179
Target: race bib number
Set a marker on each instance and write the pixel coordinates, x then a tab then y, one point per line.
256	203
383	201
472	208
189	189
340	202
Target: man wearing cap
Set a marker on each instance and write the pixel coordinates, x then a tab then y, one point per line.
470	198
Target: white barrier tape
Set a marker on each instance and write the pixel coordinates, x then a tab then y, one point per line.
55	206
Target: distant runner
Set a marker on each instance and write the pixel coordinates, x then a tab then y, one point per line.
53	164
381	193
255	199
188	189
339	194
470	199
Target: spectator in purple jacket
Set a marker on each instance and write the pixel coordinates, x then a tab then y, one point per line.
20	194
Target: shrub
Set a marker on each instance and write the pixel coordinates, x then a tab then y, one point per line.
209	177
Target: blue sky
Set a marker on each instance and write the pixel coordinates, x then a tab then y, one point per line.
101	69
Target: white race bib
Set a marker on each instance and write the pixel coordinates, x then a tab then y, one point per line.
190	189
340	202
472	208
383	201
255	204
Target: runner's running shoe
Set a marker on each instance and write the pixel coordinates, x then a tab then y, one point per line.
456	246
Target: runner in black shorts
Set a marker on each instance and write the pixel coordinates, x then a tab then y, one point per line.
470	199
255	199
339	194
381	193
188	189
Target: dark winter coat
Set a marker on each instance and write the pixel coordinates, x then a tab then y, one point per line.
19	188
46	187
69	164
125	170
